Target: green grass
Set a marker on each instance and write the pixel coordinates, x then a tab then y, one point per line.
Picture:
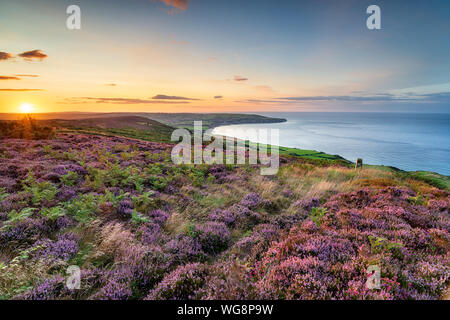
435	179
311	154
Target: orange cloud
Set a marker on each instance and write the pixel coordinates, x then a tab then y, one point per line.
21	90
5	55
27	75
33	54
239	78
178	4
164	97
8	78
125	100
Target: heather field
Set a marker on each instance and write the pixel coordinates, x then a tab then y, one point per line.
140	227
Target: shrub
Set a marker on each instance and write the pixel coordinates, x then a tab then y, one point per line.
224	216
66	194
213	236
23	231
149	233
184	283
138	218
3	194
307	204
158	216
118	285
83	208
379	244
229	281
64	248
15	216
26	128
145	202
48	289
253	200
53	213
317	215
70	178
185	249
40	190
125	209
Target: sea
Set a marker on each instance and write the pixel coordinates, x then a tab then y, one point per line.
408	141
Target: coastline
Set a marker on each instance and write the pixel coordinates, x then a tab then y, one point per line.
387	140
437	179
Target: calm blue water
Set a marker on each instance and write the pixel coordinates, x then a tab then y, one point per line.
406	141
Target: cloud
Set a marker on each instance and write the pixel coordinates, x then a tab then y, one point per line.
440	96
27	75
5	56
379	97
124	100
8	78
218	97
33	54
164	97
110	84
239	78
21	90
178	4
260	101
265	89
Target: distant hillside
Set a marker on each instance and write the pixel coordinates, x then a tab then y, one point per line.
210	120
127	126
179	120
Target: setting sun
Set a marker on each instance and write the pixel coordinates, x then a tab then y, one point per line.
26	108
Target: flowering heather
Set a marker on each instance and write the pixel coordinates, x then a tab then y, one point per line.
243	216
253	200
64	248
140	227
307	204
224	216
117	286
213	236
149	232
66	194
309	264
185	249
125	209
48	289
181	284
6	206
229	281
7	183
158	216
24	231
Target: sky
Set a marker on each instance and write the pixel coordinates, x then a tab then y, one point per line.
225	56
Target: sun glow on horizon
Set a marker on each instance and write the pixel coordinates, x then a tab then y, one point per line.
26	107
